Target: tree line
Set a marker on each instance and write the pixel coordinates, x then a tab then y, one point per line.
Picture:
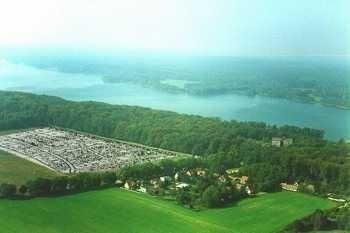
60	185
322	220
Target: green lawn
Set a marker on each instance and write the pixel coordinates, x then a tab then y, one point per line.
15	170
118	211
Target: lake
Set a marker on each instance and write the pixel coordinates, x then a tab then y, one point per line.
80	87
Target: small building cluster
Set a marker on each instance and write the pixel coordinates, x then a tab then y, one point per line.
279	142
185	179
71	152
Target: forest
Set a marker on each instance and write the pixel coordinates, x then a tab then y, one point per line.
220	144
320	167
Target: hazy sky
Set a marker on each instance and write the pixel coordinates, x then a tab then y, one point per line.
218	27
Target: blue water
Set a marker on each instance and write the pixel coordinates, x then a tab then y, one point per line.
335	122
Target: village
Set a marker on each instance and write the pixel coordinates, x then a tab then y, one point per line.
169	187
73	152
70	152
187	179
183	180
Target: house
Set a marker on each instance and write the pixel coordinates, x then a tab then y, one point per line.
290	187
239	182
244	179
276	142
188	173
154	183
181	185
165	179
177	175
129	184
142	189
248	190
200	173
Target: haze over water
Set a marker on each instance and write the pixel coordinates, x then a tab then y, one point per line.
81	87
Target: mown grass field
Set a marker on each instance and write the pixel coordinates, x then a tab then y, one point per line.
18	171
118	211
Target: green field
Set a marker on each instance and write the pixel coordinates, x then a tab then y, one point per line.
15	170
118	211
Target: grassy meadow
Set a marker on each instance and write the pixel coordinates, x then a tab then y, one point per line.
119	211
15	170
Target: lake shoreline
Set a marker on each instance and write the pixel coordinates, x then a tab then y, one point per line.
335	121
176	90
